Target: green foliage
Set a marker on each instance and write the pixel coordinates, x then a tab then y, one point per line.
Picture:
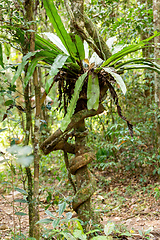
80	48
56	66
93	92
73	102
25	60
118	79
1	56
59	27
31	69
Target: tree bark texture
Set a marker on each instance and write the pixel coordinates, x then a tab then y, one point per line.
33	193
156	20
85	183
148	53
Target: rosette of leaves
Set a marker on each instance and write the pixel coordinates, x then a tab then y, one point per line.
64	55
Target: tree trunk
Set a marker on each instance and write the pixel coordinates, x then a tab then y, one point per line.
156	20
32	193
85	183
148	53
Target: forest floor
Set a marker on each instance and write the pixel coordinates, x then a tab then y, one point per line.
133	207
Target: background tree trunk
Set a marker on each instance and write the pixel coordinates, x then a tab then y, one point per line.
156	18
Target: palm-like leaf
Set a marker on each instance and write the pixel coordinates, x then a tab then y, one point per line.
59	27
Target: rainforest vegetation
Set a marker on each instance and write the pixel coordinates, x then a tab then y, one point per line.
80	119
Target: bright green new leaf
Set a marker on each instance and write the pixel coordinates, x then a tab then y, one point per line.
93	92
1	56
118	79
22	65
59	27
56	66
70	110
109	228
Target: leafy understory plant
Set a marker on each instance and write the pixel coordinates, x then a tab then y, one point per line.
64	226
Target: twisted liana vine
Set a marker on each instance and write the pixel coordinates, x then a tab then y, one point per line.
77	165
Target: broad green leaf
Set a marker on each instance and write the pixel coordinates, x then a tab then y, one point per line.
20	214
45	44
44	221
1	56
21	190
109	228
80	47
93	92
70	110
57	41
8	102
21	66
56	66
59	27
118	79
20	200
55	222
31	69
62	207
